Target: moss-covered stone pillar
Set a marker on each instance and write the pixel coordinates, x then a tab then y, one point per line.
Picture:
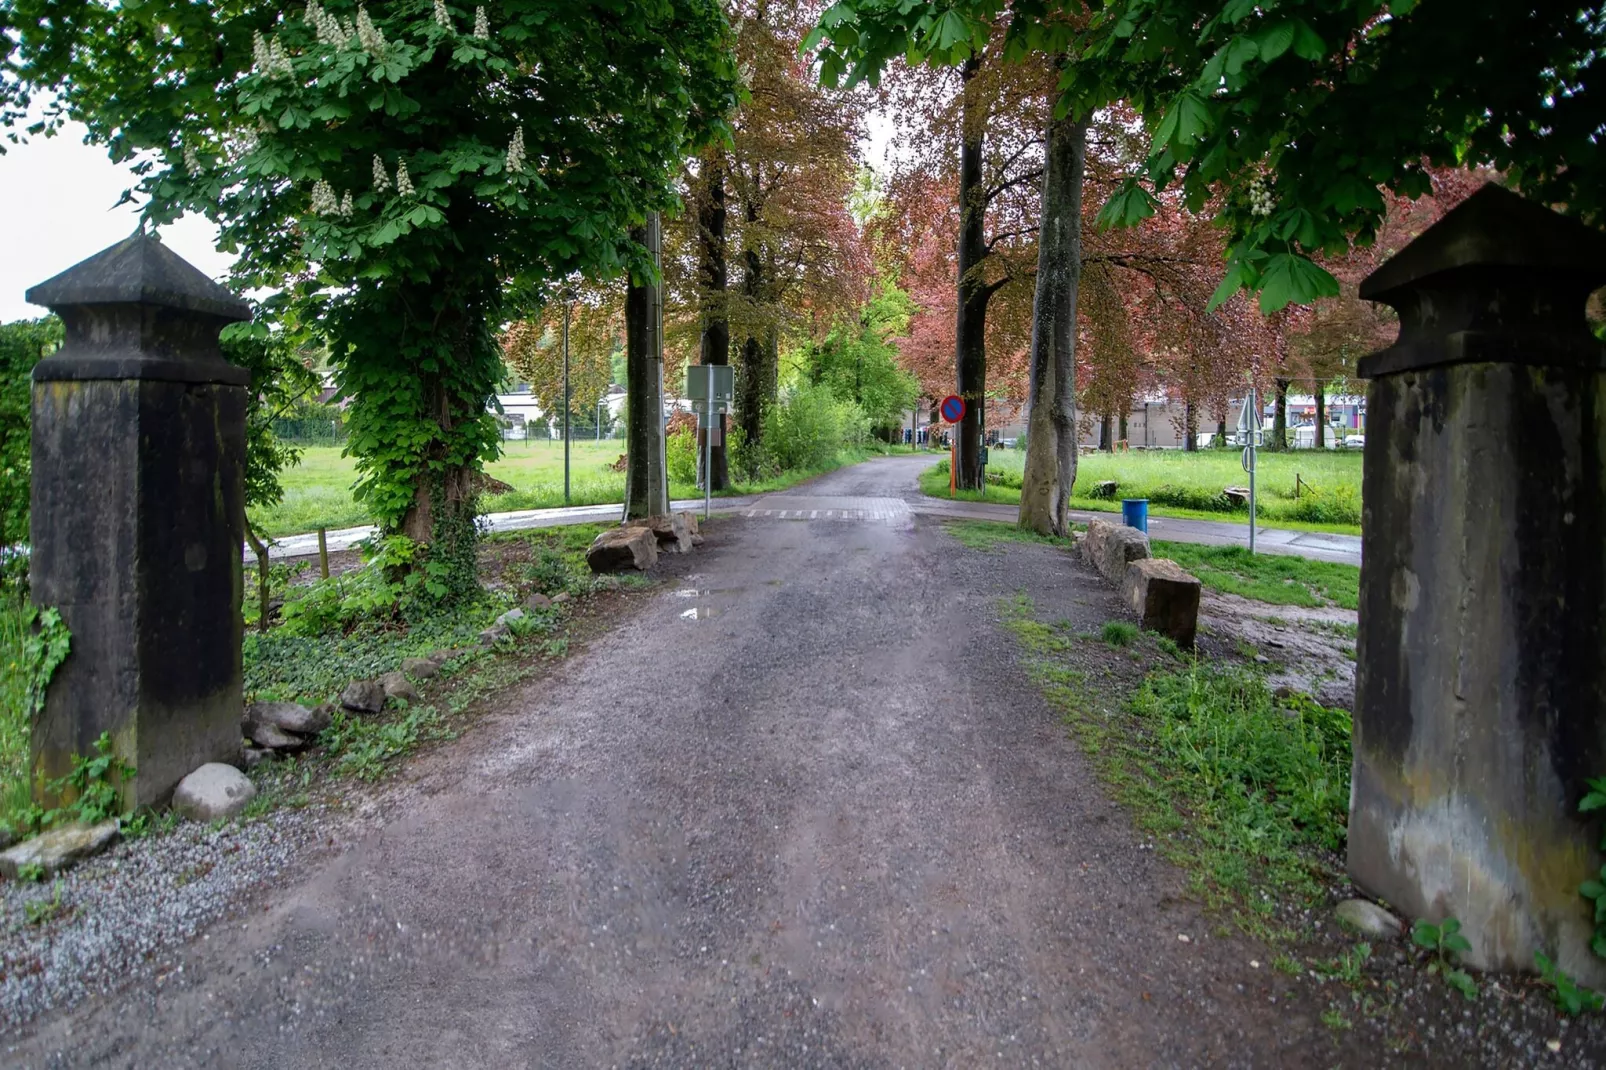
1481	676
138	513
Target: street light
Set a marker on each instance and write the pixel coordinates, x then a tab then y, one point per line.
602	404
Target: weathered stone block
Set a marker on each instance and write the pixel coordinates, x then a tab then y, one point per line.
623	547
1165	598
1108	547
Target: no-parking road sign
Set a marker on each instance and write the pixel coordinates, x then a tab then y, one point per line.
953	408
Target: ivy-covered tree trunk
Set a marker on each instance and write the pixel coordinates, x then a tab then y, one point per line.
970	333
1121	428
646	482
1051	434
755	378
716	339
421	433
1190	426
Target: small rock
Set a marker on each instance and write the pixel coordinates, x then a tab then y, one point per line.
560	598
1368	919
59	848
8	836
697	540
255	756
397	685
1261	659
1283	693
287	717
510	616
420	668
488	638
267	735
537	601
363	696
215	790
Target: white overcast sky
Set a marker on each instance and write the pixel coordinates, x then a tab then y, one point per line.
56	197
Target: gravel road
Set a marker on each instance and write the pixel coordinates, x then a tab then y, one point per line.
802	810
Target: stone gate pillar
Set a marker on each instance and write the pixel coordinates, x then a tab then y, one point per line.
1481	670
138	513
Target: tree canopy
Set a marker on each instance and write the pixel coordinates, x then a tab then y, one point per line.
1288	121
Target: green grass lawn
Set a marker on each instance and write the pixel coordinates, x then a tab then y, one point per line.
317	492
1189	485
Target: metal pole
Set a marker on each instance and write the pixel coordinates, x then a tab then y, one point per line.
565	399
1253	464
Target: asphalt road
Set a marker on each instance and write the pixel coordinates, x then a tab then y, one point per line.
799	810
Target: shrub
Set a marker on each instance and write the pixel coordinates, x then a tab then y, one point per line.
680	450
1337	505
809	427
22	345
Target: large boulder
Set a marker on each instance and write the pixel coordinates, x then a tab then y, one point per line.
623	547
289	717
1110	547
213	791
1164	597
673	531
57	849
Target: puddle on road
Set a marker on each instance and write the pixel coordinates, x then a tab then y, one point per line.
700	613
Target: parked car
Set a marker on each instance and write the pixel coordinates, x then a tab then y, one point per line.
1355	442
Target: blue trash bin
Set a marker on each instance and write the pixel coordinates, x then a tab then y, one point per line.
1135	513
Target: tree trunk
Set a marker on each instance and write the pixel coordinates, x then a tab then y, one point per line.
1105	442
970	333
1120	435
716	340
1321	415
646	485
1051	435
753	383
264	583
1279	420
1221	430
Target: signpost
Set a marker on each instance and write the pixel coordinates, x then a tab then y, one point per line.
1249	437
953	410
711	388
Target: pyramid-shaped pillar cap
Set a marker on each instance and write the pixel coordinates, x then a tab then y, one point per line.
1493	228
1500	279
139	270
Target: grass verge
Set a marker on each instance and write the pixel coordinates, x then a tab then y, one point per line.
1278	579
1303	491
1248	796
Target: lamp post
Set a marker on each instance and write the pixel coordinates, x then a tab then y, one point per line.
602	404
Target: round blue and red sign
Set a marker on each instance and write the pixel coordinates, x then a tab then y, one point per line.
953	408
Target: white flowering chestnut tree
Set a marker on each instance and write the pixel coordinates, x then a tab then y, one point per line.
404	175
